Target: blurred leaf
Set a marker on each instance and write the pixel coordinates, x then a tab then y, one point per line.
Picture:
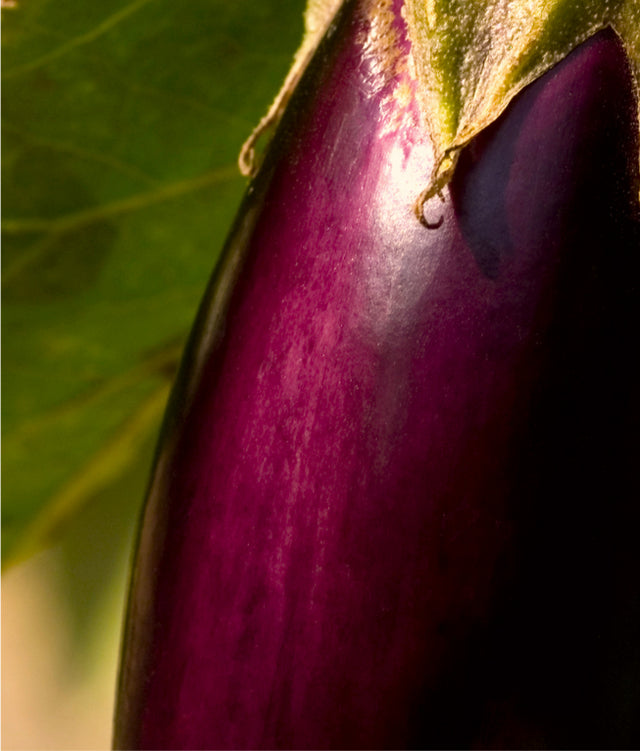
93	566
121	128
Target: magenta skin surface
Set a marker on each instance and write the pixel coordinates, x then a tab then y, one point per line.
392	499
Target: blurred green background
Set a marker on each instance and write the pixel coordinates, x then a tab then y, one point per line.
121	126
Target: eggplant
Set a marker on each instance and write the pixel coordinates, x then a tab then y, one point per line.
394	503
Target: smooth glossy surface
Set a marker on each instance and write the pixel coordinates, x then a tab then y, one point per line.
390	507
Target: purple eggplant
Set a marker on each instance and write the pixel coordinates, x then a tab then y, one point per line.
393	503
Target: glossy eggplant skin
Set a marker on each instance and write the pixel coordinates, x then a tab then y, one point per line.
393	504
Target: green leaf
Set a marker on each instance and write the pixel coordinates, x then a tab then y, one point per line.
471	57
122	123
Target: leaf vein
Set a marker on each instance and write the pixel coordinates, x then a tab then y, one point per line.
110	460
86	154
79	41
161	362
31	225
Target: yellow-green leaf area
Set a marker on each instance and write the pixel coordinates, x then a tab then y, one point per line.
471	57
627	24
121	125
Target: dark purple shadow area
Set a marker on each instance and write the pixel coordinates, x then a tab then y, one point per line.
561	661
